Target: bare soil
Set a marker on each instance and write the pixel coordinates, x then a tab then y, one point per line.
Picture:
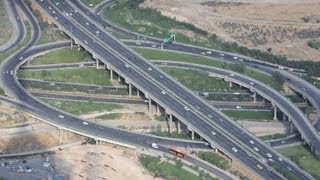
263	24
98	162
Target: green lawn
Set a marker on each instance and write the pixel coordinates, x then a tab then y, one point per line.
249	115
273	137
77	108
66	55
5	25
174	56
2	92
214	159
81	75
93	2
302	156
167	170
197	81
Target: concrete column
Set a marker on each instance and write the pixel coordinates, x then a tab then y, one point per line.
192	134
157	109
111	74
254	96
170	123
274	111
178	126
291	127
230	84
149	106
130	90
97	64
216	150
283	117
119	77
138	92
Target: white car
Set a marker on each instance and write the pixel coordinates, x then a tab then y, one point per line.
231	75
154	145
127	65
236	93
210	116
269	155
61	116
163	92
280	159
21	58
85	123
234	57
256	149
234	149
11	72
251	83
213	133
251	141
186	108
150	69
208	52
221	54
238	107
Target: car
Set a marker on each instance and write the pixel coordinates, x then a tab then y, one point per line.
208	52
256	149
251	141
61	116
280	159
269	155
249	154
238	107
163	92
259	166
161	77
213	133
236	93
29	170
290	69
269	168
271	160
281	67
85	123
283	141
127	65
289	168
231	75
11	72
50	7
98	13
154	145
149	69
221	54
210	116
186	108
207	144
263	160
56	18
21	58
234	57
85	41
198	107
205	94
203	53
251	83
234	149
87	24
240	60
153	45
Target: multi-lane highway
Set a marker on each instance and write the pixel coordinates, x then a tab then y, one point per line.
165	81
308	132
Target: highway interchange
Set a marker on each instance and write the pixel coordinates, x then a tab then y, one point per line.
125	64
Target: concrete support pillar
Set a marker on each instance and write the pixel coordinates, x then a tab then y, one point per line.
119	77
170	123
178	127
192	134
291	127
254	96
216	150
158	110
97	64
111	74
149	106
283	117
230	84
138	92
274	111
130	90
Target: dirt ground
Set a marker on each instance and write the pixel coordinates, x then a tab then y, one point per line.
263	24
99	162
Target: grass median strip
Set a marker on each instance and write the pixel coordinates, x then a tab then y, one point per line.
66	55
77	107
249	115
80	75
5	25
302	156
